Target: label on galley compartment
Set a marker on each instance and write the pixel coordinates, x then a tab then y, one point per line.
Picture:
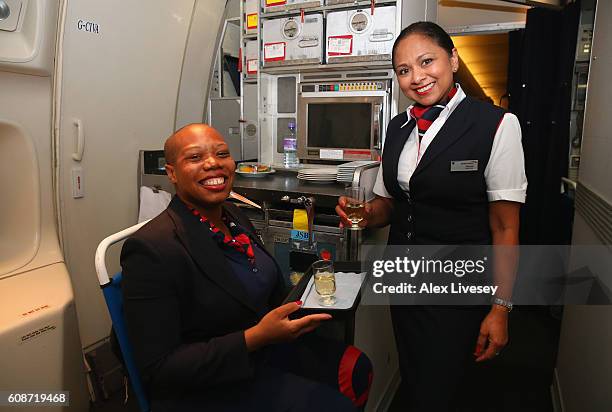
274	51
252	21
252	66
35	310
334	154
28	337
275	2
340	45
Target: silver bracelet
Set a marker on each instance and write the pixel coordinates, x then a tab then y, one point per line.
502	302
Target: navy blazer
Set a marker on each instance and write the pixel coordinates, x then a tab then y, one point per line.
185	310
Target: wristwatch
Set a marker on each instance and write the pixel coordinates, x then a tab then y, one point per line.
502	302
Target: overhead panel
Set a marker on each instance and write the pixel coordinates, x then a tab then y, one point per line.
468	15
9	14
485	56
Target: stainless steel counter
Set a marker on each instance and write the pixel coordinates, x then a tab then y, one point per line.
272	188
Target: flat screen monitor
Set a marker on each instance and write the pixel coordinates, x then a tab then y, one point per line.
340	125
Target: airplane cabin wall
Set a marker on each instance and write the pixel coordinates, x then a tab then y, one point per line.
584	367
120	79
197	63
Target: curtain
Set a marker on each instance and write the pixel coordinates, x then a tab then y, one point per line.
540	71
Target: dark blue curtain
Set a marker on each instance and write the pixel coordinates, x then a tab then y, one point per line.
230	64
540	75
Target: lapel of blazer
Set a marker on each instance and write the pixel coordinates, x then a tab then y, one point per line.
390	159
458	124
240	220
205	252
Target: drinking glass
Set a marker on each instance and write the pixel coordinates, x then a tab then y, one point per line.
355	206
325	281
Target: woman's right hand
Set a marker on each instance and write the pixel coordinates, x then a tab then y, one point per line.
276	326
341	211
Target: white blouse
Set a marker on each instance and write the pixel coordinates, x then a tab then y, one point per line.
505	171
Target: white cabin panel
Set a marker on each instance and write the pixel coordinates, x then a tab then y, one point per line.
197	68
584	363
479	14
121	71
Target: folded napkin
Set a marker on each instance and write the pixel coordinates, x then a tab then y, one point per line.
347	287
152	203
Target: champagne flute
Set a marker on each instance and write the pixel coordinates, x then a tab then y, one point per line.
355	206
325	281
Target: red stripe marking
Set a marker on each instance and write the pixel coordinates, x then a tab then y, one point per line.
345	372
418	111
424	124
355	151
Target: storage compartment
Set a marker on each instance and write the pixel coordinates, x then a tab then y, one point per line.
360	35
251	58
39	336
282	5
20	212
289	41
278	242
250	16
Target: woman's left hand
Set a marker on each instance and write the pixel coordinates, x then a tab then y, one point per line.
493	334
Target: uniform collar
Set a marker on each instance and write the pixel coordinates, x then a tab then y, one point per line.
452	104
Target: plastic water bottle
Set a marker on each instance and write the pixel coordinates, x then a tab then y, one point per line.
291	160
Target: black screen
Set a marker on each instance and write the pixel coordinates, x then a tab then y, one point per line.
154	162
341	125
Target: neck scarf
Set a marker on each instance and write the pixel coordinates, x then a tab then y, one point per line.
238	240
425	115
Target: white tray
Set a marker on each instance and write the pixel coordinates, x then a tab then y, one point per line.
348	285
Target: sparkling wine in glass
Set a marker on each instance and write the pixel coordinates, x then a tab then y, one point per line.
355	206
325	281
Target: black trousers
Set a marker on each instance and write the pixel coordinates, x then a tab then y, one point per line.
302	376
435	346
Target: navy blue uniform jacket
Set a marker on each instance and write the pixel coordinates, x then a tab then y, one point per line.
185	310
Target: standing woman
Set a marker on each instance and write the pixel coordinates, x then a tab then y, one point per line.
429	200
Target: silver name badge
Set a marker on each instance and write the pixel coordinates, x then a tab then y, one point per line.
464	165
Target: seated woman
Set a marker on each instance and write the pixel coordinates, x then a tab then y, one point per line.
201	298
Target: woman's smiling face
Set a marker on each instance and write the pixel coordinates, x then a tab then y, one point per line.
203	170
424	69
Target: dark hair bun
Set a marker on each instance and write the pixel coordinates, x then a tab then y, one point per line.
429	29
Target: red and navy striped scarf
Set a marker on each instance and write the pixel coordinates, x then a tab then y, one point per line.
425	115
238	240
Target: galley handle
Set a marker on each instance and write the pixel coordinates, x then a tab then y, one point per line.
80	143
